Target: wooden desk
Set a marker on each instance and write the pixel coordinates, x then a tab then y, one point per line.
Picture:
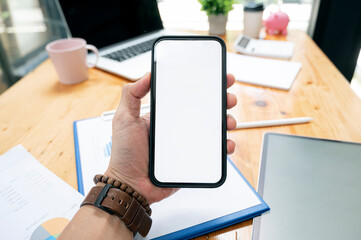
38	112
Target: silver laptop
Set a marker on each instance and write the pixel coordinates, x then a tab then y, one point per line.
123	31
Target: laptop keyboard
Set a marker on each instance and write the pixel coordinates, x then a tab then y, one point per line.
131	51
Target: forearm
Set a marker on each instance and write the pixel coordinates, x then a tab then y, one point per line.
91	222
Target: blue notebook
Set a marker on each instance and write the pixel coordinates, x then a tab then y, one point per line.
186	214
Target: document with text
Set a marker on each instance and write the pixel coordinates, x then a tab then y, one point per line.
35	203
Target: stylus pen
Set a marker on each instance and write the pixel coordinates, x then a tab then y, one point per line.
109	115
276	122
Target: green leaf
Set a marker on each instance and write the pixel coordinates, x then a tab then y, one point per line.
216	7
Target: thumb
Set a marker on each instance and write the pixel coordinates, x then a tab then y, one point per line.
132	94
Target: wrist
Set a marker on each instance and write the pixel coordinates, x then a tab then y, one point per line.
120	177
119	199
102	180
108	221
91	222
141	183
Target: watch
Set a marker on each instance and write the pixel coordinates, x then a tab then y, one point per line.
116	201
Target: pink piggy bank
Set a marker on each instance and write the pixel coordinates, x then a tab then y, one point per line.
277	23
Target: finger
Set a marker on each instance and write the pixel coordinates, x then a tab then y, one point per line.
230	80
231	100
230	146
231	122
132	94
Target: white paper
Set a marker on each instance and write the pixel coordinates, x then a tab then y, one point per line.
190	207
95	143
261	71
95	139
30	195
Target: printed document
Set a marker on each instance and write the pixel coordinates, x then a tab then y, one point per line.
35	203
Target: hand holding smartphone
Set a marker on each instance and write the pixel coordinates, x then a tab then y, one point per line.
188	141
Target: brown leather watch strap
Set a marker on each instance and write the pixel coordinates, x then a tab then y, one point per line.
115	201
124	187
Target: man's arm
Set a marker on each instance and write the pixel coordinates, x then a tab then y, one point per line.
93	223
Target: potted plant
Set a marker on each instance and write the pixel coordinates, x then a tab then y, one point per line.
217	11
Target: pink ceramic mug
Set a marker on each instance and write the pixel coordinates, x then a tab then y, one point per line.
69	59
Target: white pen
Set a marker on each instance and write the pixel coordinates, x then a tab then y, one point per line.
276	122
145	108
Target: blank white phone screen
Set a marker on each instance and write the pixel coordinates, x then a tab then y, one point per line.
188	112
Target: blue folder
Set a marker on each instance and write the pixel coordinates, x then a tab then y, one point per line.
79	174
221	222
199	229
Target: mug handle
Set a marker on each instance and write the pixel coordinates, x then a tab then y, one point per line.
95	51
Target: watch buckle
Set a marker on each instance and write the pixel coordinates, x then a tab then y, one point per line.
102	195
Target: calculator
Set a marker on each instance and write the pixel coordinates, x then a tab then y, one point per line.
264	48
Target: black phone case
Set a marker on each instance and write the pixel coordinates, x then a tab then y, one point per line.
224	116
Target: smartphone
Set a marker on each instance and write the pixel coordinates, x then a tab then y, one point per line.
188	142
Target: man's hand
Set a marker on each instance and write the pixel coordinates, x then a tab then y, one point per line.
130	141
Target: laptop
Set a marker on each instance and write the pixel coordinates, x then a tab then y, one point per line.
123	31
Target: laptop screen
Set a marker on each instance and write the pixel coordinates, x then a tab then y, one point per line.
103	23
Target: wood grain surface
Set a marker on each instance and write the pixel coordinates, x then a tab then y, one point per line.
38	112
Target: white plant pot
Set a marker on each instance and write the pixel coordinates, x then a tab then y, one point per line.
217	24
